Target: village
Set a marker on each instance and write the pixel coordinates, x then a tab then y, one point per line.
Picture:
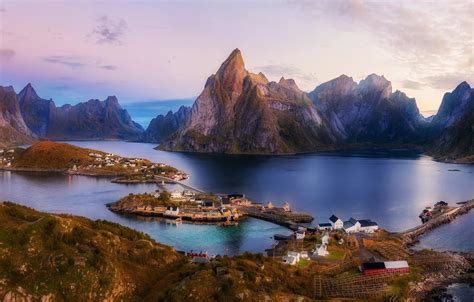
6	157
131	169
127	170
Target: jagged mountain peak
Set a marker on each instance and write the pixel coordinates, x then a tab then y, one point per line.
288	83
259	78
375	81
112	101
463	87
28	92
233	64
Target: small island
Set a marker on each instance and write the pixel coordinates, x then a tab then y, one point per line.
190	206
48	156
206	207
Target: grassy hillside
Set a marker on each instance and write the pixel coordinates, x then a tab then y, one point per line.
52	155
69	258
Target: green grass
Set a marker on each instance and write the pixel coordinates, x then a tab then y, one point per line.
303	263
335	255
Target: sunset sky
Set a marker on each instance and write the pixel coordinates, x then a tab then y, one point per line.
141	51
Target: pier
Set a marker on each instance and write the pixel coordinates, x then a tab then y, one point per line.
288	219
412	234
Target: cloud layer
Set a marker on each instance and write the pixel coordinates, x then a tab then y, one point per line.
109	31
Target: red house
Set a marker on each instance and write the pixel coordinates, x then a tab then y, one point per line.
387	267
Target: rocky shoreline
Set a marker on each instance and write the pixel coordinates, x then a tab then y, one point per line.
458	267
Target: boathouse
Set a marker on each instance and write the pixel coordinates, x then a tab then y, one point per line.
387	267
335	222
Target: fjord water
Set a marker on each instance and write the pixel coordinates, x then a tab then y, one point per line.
391	189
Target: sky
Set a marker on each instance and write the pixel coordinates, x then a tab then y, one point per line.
144	51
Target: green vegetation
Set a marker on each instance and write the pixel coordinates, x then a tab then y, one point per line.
75	259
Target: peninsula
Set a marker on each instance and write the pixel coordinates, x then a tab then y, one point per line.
48	156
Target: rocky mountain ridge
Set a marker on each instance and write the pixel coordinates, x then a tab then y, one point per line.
13	129
242	112
93	119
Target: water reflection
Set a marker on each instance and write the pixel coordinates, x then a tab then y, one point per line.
390	189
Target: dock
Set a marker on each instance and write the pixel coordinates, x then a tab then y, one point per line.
412	234
288	219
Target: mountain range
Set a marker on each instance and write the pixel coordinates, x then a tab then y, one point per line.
33	117
240	112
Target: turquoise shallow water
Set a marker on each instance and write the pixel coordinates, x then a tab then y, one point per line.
391	189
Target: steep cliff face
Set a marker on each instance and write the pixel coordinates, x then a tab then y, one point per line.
93	119
241	112
453	126
163	126
13	129
368	112
35	110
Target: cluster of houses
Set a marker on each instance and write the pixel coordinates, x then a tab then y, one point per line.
429	212
6	157
350	226
192	206
136	165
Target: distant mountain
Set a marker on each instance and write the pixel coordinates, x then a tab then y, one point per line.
13	130
241	112
35	110
163	126
93	119
369	112
453	126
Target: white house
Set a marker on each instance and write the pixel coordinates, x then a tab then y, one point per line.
336	223
324	226
297	255
176	194
325	239
171	211
300	235
289	260
322	250
351	226
368	226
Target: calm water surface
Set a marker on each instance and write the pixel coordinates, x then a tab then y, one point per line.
391	190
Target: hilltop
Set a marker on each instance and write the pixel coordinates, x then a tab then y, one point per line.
52	155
